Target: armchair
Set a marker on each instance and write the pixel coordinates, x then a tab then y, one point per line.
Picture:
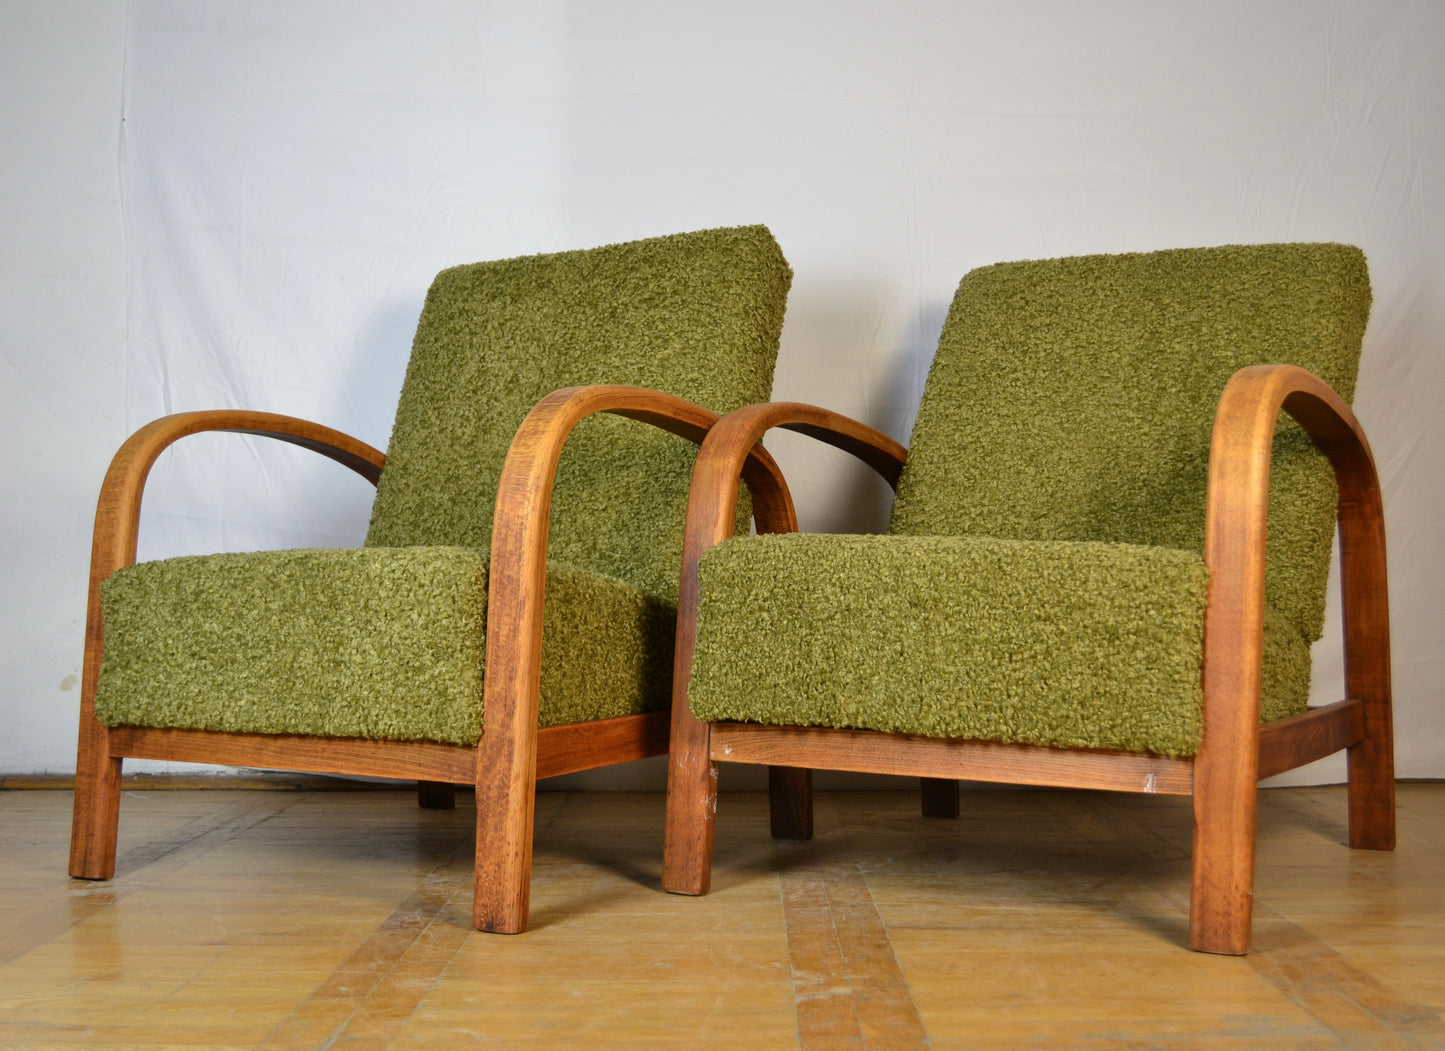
1075	588
511	614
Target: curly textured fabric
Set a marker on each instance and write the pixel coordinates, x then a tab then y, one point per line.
955	637
402	627
387	642
1070	403
1073	399
696	315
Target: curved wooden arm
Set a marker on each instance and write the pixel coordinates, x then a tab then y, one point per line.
117	517
712	501
507	757
117	513
711	513
1226	767
1235	530
113	546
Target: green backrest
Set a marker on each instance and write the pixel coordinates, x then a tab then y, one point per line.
695	315
1073	399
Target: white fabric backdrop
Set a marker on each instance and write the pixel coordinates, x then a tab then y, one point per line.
294	174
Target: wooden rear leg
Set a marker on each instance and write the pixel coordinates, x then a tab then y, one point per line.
790	802
1372	786
940	796
436	795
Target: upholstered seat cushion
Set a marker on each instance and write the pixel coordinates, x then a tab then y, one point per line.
1064	643
377	642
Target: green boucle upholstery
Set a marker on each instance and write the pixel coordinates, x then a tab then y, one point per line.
388	641
696	315
955	637
1070	403
402	627
1073	399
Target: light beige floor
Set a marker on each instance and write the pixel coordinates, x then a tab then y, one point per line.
309	918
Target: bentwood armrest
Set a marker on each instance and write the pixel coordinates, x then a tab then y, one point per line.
712	499
515	601
711	514
118	512
1228	761
1235	531
117	515
117	524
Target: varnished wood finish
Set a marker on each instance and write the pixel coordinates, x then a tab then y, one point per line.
408	760
507	760
1235	751
872	752
561	750
513	752
711	511
1227	768
1300	739
113	546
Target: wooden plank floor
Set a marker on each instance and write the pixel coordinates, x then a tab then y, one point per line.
1039	919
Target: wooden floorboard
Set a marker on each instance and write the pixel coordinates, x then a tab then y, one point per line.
307	917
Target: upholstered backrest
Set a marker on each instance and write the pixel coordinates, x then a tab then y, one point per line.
1074	399
696	315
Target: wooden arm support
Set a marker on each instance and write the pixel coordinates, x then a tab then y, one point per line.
711	513
506	759
1226	768
117	525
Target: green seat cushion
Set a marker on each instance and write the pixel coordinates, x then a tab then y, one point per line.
375	642
1060	643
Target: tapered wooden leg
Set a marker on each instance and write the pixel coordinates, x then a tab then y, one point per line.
1367	666
1221	901
691	806
940	796
506	804
436	795
790	802
97	801
1372	794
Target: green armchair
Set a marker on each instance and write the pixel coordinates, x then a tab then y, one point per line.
430	653
1075	588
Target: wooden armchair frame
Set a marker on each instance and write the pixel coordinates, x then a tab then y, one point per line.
1236	751
513	752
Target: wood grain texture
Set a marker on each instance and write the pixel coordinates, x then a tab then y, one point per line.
872	752
113	546
408	760
711	512
1227	767
1285	744
507	756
